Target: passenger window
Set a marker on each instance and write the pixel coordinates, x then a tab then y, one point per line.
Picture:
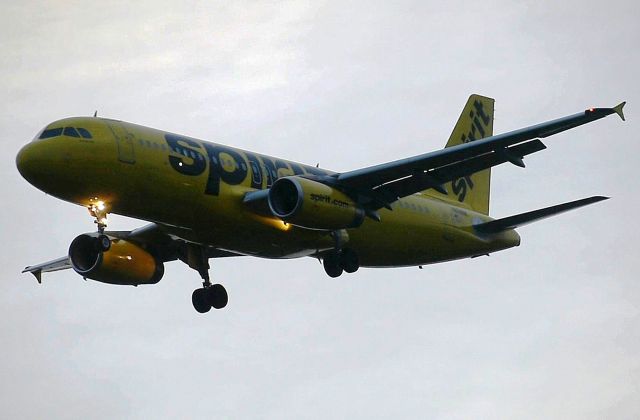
71	132
52	132
84	133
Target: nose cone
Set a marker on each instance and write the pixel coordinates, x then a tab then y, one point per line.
27	162
38	162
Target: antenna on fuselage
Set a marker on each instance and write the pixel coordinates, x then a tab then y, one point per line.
95	114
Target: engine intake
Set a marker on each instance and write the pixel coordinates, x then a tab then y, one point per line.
123	263
313	205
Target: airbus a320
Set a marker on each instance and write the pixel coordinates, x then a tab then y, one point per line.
205	200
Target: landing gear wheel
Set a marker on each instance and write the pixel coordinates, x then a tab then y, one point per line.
103	243
349	260
200	301
331	263
217	296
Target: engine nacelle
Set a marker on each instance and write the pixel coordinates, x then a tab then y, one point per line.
123	263
313	205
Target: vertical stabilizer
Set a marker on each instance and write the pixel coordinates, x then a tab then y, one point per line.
475	122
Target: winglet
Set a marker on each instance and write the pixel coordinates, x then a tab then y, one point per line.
36	273
618	109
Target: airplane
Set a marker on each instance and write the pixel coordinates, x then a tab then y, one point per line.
205	200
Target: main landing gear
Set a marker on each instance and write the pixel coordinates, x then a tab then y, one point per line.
209	295
213	295
339	261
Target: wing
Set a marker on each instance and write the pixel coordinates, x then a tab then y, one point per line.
62	263
163	241
378	186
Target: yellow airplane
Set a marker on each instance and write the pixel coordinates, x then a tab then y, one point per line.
206	200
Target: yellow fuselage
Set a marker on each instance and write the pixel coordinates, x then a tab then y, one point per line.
195	189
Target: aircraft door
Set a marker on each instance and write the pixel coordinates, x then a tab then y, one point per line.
124	139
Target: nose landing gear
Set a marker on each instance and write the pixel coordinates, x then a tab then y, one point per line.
99	211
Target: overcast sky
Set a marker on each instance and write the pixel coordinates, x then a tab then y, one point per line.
546	330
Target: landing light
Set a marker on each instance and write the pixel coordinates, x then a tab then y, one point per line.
276	223
279	224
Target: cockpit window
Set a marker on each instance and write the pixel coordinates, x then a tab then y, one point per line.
71	132
52	132
67	131
84	133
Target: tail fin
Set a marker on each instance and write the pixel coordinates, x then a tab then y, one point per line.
475	122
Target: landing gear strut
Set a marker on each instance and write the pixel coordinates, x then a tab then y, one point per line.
209	295
338	261
99	211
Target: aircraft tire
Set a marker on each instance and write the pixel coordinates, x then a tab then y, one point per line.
349	260
200	301
217	296
331	263
102	243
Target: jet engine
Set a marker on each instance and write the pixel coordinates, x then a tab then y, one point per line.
113	260
313	205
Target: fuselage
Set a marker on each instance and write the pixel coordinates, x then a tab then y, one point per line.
195	189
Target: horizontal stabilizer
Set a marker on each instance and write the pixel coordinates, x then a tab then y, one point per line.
513	222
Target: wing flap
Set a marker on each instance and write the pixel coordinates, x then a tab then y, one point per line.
432	179
512	222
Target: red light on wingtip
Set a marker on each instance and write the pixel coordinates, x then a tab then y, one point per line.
591	109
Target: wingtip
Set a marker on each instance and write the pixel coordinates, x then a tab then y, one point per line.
38	275
618	109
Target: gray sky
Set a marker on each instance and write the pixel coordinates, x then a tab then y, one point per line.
546	330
